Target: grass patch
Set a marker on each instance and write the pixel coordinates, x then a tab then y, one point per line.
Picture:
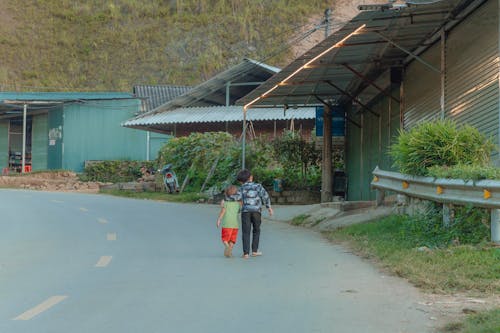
160	196
470	269
299	219
318	221
487	322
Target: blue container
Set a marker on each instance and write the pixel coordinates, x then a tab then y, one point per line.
338	121
277	185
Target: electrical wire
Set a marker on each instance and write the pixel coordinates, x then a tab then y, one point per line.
423	2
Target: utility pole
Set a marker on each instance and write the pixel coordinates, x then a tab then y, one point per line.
328	13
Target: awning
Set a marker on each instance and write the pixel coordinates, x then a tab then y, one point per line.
217	114
12	103
349	64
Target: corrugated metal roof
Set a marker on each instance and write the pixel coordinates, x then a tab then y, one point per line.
213	91
11	103
220	114
62	96
338	70
154	96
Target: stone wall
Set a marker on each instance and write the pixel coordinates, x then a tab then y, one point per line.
295	197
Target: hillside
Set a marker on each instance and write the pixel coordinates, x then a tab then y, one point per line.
115	44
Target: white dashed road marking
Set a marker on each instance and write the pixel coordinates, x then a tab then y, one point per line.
111	236
102	220
104	261
83	209
57	201
40	308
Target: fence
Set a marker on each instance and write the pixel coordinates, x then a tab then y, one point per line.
482	193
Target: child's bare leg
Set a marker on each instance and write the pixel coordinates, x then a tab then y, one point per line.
227	249
231	245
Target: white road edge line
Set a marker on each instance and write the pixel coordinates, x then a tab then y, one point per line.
50	302
111	236
104	261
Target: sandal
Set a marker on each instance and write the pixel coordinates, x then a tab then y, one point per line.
256	254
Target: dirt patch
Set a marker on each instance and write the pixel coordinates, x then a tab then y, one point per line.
447	309
64	181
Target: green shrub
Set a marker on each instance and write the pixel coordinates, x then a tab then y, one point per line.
196	154
465	172
441	143
470	225
115	171
297	156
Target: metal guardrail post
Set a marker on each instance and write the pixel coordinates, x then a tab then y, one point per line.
446	215
495	225
380	197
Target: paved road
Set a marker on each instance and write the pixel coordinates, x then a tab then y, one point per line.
92	263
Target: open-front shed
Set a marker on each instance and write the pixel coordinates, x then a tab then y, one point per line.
209	107
389	68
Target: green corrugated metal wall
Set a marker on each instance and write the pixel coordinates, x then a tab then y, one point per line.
422	89
92	131
353	159
4	143
39	142
55	148
472	69
155	143
472	89
368	147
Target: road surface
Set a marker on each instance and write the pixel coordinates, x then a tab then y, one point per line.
81	263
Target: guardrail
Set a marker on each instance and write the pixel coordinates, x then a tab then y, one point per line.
482	193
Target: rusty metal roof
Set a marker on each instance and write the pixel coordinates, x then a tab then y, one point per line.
154	96
348	63
213	91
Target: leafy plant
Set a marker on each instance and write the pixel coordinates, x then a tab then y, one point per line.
465	172
441	143
115	171
470	225
196	155
296	154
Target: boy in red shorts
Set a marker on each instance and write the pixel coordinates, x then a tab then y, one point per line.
228	217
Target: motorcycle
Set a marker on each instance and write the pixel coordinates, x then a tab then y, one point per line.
169	179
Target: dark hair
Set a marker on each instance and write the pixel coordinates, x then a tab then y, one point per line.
243	176
231	190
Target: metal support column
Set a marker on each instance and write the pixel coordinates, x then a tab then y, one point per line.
243	138
23	163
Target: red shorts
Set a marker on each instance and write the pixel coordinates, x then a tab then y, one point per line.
229	235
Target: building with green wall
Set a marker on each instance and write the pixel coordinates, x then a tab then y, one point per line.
392	67
64	130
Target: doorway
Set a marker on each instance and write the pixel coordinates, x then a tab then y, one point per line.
16	144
